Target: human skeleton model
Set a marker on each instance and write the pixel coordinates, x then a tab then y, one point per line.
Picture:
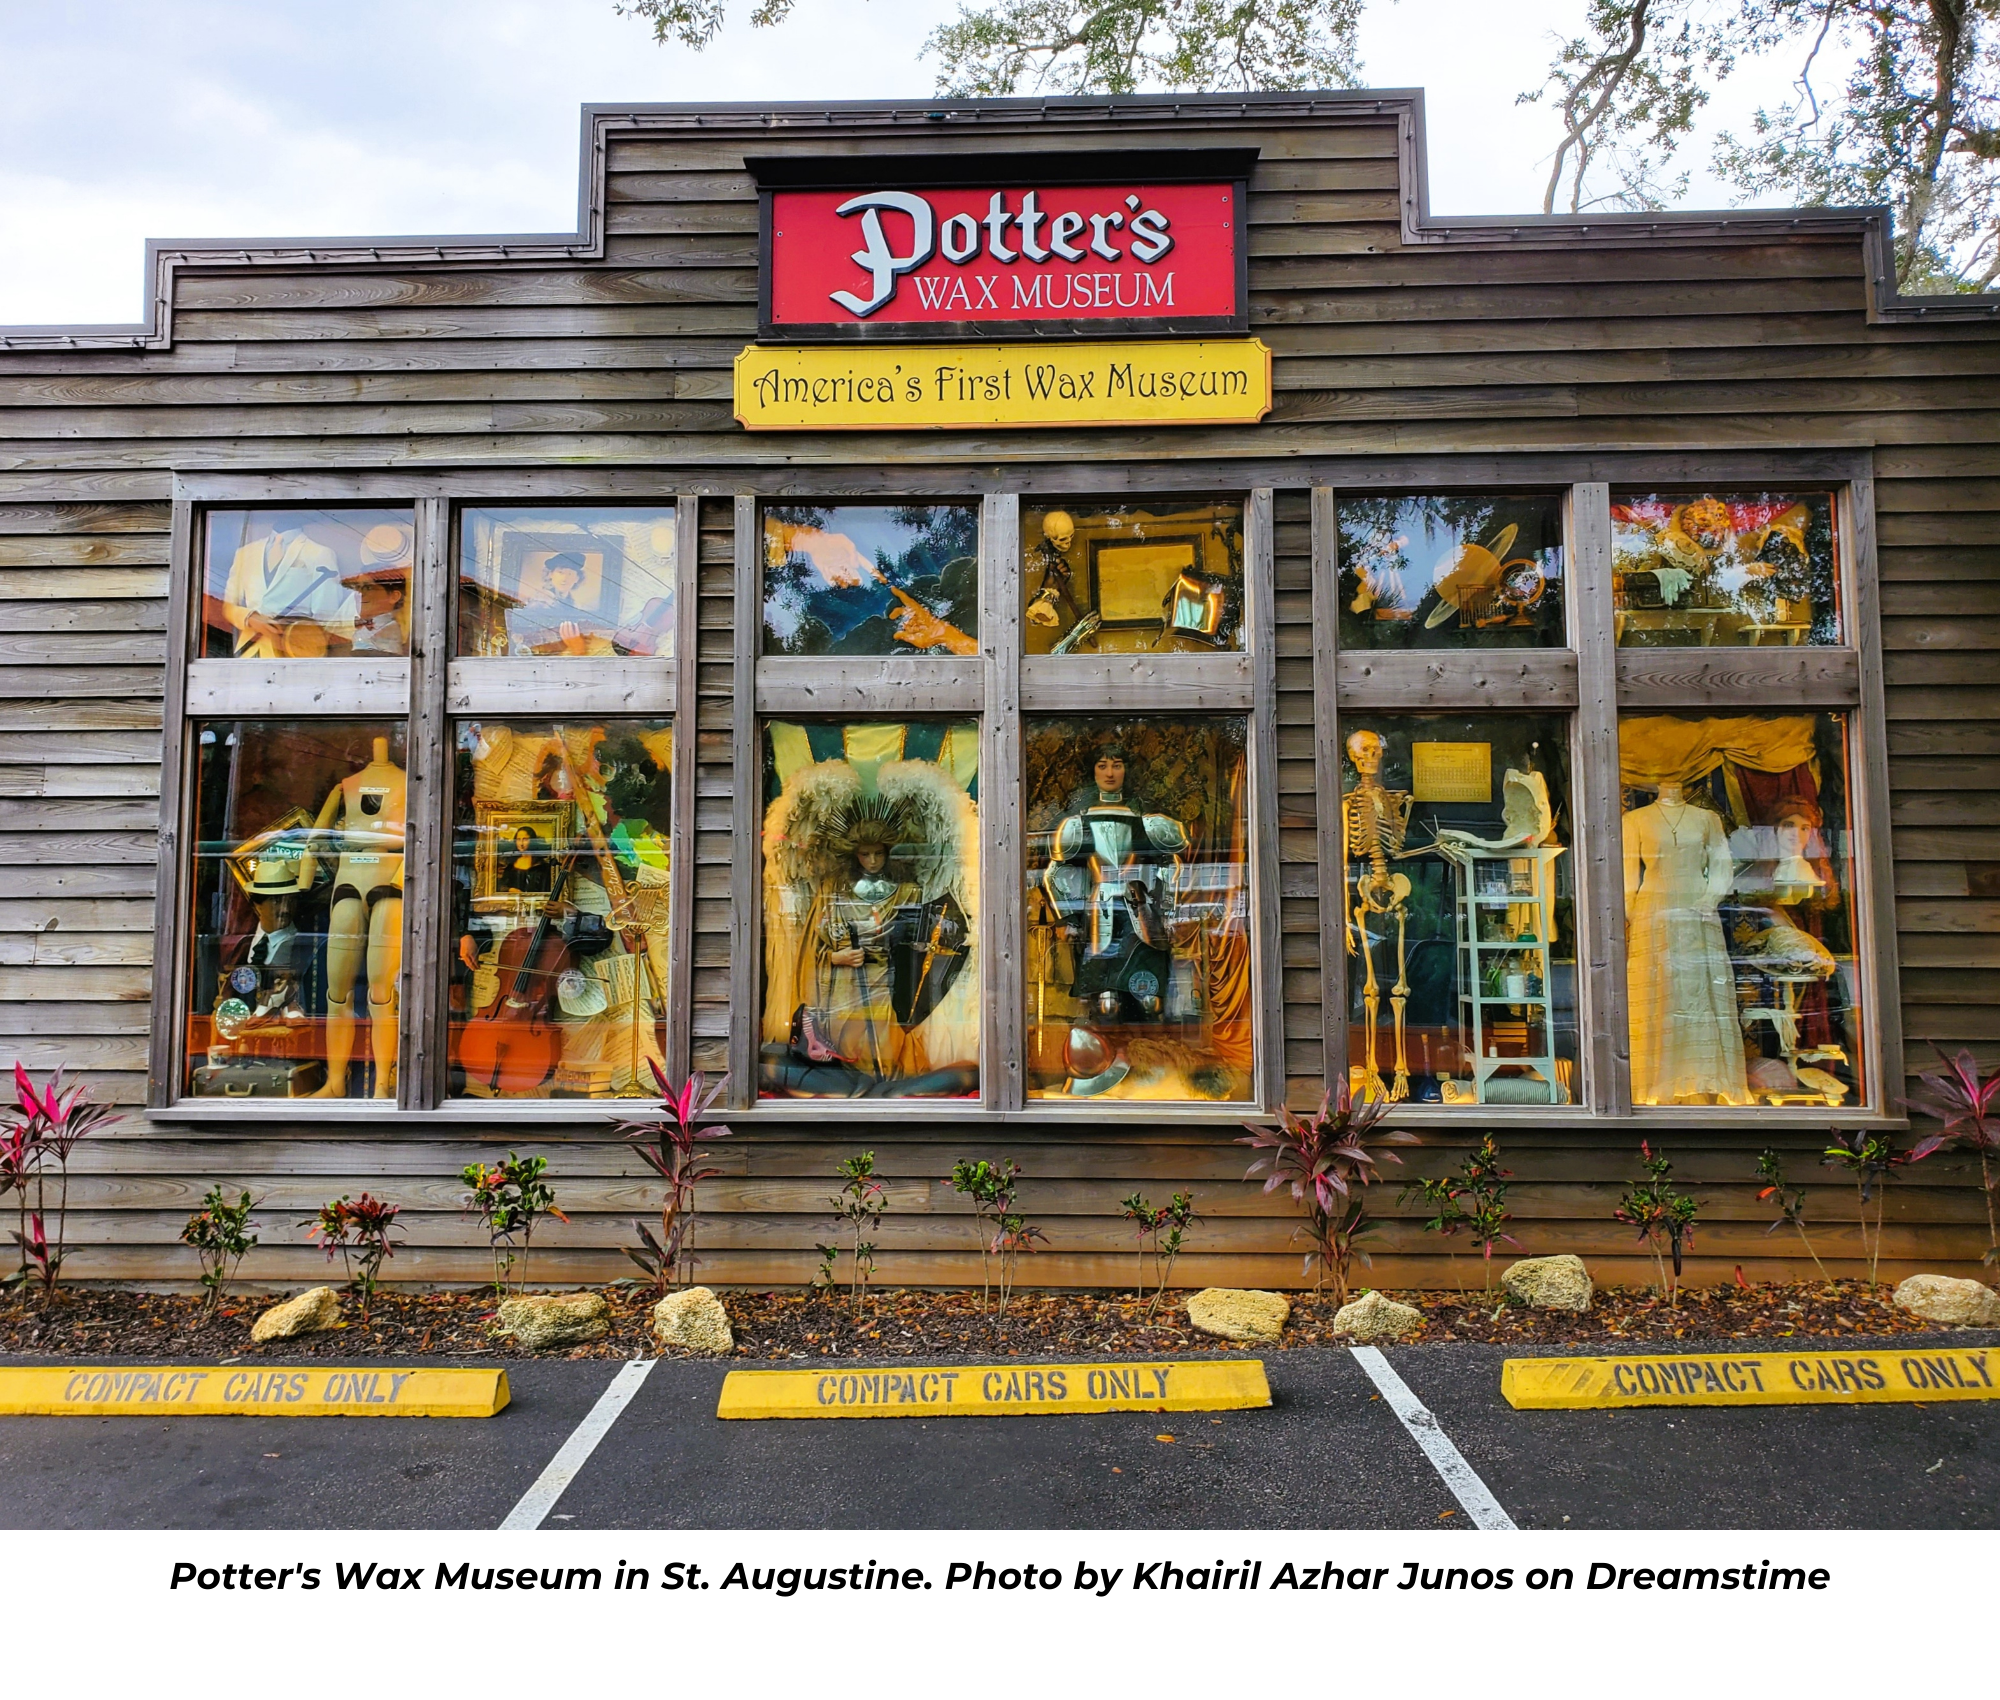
365	926
1374	821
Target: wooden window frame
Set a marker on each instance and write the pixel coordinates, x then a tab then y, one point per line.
1000	688
428	691
1592	681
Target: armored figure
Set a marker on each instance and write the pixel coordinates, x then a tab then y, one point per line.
1110	881
1374	822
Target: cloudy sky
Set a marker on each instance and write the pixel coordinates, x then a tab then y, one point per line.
125	119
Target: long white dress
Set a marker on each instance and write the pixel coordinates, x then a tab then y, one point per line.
1687	1038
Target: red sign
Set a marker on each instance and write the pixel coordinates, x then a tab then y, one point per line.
1053	259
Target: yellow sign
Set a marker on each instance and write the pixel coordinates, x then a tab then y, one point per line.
994	1390
1914	1375
1451	773
1003	385
209	1390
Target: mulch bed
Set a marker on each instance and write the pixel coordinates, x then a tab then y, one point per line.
922	1322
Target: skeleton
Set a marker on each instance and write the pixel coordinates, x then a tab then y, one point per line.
1374	821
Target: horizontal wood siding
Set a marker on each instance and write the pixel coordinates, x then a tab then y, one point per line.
485	379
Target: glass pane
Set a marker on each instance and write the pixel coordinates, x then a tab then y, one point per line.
853	580
566	581
1739	910
1138	909
1745	569
1451	572
559	906
306	582
1163	576
297	929
871	910
1460	911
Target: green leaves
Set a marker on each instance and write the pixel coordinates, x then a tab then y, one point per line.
509	1198
1664	1216
217	1233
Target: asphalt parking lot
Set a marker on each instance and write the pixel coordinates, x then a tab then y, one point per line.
1329	1453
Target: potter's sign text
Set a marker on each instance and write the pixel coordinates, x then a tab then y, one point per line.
999	386
1043	261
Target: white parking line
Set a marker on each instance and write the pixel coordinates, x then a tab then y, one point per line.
562	1469
1463	1480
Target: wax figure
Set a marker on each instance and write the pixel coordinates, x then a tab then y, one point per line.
284	597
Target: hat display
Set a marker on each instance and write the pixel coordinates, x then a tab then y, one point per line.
386	545
272	864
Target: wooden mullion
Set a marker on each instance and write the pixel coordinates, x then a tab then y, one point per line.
1541	681
1870	824
746	770
681	866
171	883
1002	1069
1267	945
565	685
421	1081
1728	678
861	685
226	688
1332	848
1599	821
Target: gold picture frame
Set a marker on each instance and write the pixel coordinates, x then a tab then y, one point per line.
552	823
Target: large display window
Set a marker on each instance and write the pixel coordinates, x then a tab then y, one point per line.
296	927
1459	911
1146	577
1757	568
1138	917
871	984
1742	976
1451	572
560	864
306	583
566	581
848	579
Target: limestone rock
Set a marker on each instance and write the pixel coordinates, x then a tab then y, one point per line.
1942	1298
311	1311
694	1320
1238	1313
1549	1283
554	1319
1373	1317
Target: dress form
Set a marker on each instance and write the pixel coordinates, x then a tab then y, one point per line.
365	926
1687	1036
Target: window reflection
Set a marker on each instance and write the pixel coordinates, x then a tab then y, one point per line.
566	581
301	583
1163	576
855	580
559	908
871	902
297	935
1138	909
1757	570
1743	985
1451	572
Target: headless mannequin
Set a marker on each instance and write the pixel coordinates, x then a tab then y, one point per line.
365	926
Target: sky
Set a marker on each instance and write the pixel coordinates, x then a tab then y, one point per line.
263	119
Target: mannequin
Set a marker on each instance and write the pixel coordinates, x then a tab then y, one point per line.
365	925
284	597
1687	1037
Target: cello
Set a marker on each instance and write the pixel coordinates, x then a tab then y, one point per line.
511	1045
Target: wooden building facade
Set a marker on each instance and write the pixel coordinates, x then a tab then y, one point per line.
1574	558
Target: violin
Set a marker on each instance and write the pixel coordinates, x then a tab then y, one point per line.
512	1044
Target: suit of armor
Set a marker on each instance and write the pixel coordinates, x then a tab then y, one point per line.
1374	822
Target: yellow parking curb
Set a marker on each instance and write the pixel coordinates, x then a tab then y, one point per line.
1753	1378
213	1390
994	1390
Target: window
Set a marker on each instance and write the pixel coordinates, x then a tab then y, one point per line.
1458	910
562	850
1138	917
296	924
1739	903
1451	572
1757	569
1161	577
566	581
306	583
851	580
871	904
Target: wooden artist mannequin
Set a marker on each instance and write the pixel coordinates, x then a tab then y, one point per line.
365	926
